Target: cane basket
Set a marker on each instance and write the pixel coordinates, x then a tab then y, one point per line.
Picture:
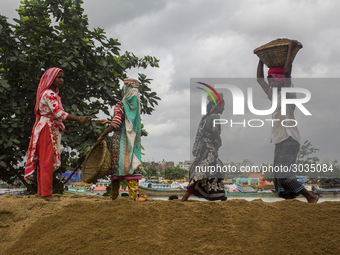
274	53
97	162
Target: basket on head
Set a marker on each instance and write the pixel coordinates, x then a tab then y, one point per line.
274	53
97	162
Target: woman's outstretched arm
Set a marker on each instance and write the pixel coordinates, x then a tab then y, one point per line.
288	63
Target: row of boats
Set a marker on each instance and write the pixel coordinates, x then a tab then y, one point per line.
164	189
178	189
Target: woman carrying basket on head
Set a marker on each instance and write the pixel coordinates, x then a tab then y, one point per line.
45	144
126	141
286	138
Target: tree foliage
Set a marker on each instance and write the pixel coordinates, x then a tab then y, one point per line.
305	152
55	33
151	171
308	164
175	173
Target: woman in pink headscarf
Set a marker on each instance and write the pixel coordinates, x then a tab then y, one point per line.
45	144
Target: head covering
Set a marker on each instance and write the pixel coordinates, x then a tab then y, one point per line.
129	82
211	104
45	82
277	73
201	133
129	155
215	97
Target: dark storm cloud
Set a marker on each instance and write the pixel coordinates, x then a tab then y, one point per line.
216	39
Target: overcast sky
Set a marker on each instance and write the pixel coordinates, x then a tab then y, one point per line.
216	39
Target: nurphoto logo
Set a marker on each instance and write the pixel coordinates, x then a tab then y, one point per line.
209	93
238	100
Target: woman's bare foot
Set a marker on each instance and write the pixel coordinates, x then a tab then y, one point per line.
51	199
185	197
289	196
142	197
313	200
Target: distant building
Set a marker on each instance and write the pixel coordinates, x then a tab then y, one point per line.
185	165
160	165
166	164
245	162
159	168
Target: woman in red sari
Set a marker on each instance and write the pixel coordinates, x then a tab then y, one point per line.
45	144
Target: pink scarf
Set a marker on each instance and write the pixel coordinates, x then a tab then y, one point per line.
278	74
46	82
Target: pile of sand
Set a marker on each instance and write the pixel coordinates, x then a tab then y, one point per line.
81	224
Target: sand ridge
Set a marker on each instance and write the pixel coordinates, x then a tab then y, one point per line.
80	224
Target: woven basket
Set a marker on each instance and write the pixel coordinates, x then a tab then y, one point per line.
97	162
274	53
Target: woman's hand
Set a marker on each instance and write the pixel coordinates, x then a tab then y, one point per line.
103	121
293	44
84	119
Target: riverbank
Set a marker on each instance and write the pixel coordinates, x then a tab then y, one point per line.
81	224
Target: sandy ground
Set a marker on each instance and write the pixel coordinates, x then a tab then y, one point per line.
80	224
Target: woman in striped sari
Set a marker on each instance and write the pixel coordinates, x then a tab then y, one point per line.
126	141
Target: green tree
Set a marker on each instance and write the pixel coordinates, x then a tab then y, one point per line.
305	159
55	33
305	152
332	178
151	171
174	173
316	170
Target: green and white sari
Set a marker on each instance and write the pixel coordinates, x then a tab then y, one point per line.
126	143
129	137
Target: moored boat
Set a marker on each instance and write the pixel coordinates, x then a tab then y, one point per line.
162	189
78	187
326	192
15	191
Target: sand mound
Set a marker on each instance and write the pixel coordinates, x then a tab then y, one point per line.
81	224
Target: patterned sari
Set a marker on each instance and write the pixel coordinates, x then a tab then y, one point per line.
205	150
126	143
49	111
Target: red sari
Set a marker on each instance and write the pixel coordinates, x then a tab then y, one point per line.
44	147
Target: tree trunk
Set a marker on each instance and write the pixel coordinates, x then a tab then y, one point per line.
22	179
